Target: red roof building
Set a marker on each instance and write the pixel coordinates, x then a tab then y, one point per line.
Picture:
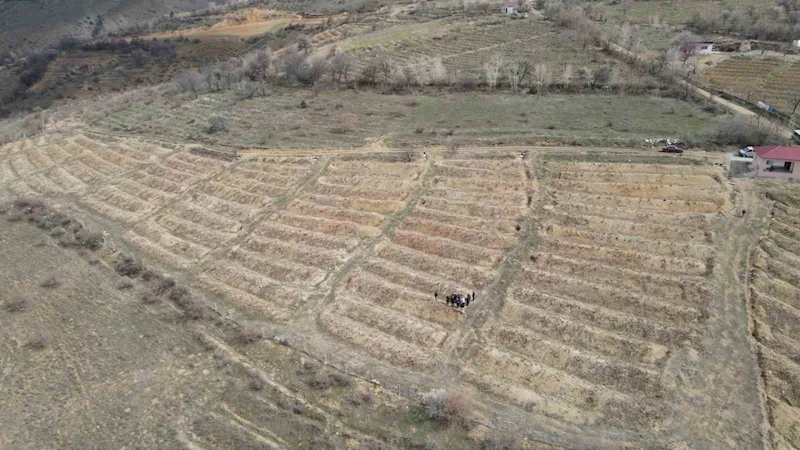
777	162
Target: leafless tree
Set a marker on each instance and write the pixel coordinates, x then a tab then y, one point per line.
454	143
794	100
542	76
369	73
493	68
386	68
566	77
517	71
304	45
316	70
294	64
190	81
341	65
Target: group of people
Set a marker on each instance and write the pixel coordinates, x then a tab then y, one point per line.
456	300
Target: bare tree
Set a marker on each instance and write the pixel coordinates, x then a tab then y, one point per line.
542	76
369	73
304	45
454	143
492	69
294	64
315	70
517	71
794	100
566	77
341	65
190	81
386	68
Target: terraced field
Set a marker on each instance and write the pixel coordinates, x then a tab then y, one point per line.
294	252
775	299
464	46
769	80
617	280
594	280
453	241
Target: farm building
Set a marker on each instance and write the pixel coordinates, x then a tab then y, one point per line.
777	162
510	8
703	48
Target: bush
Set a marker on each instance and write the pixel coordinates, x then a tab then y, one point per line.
449	407
164	285
740	132
50	282
15	304
37	342
217	123
92	241
248	334
128	266
500	443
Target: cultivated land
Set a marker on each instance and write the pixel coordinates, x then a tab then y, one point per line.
604	279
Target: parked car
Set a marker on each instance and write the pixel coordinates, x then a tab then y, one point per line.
747	152
796	136
672	148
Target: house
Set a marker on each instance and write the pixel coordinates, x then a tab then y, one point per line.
703	48
510	8
777	162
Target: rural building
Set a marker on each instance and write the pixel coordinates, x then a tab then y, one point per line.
510	8
703	48
777	162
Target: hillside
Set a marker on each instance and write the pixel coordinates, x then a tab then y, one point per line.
32	25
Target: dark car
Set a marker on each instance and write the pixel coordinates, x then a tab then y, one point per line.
672	148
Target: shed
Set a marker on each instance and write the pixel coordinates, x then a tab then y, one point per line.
510	8
703	48
777	162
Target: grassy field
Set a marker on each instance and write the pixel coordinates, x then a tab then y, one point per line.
353	118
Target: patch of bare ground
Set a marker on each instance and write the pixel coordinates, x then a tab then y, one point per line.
775	299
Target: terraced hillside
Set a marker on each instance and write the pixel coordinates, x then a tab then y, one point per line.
457	234
617	280
772	81
599	284
775	297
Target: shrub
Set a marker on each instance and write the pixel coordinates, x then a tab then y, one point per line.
500	443
92	241
740	131
451	407
15	304
248	334
164	285
67	241
57	231
128	266
50	282
217	123
37	342
149	298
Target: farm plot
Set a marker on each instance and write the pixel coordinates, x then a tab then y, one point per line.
454	239
218	209
142	192
465	46
57	166
775	298
769	80
617	279
287	257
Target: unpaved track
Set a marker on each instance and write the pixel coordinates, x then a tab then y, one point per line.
718	402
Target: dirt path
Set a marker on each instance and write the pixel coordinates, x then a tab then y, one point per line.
716	398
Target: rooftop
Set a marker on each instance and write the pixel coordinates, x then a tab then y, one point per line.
779	153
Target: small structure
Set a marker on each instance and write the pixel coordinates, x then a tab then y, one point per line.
777	162
796	43
703	48
510	8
